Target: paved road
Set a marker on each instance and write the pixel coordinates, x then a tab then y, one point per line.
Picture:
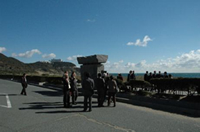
42	111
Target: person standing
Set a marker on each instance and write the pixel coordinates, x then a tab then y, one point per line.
74	89
100	85
159	75
88	90
129	76
120	77
106	79
150	76
132	77
24	84
66	90
165	75
146	76
154	74
112	86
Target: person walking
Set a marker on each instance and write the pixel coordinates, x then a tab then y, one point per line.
88	90
100	85
24	84
112	87
66	90
74	89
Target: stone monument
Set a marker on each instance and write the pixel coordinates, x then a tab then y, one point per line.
92	64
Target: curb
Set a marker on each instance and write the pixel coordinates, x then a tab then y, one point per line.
166	108
183	108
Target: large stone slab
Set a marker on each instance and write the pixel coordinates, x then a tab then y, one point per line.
93	59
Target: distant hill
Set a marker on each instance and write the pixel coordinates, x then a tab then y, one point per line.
9	65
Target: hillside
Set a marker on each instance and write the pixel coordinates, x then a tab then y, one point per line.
9	65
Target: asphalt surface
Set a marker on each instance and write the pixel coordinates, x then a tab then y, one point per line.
42	111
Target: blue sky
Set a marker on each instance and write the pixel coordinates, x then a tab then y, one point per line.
139	35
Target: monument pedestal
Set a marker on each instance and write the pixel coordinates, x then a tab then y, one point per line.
92	69
92	65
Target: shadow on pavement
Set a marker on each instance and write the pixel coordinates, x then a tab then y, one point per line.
56	112
53	93
42	105
68	110
50	93
81	102
55	105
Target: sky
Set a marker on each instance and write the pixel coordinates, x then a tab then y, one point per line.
139	35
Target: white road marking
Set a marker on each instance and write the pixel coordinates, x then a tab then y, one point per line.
7	100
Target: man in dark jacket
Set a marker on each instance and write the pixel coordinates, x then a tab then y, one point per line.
24	84
88	90
100	85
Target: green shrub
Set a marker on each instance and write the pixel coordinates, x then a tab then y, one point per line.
138	83
182	84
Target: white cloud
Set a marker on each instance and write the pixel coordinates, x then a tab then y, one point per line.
130	65
187	62
14	55
138	42
111	67
141	64
73	58
91	20
121	61
2	49
108	62
27	54
49	56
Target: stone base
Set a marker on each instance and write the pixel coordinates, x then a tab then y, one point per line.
92	69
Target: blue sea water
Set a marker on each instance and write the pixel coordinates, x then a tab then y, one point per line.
176	75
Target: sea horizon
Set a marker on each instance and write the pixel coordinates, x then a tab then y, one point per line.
174	74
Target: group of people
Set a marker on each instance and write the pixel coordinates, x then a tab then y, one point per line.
105	85
148	76
131	76
102	83
69	89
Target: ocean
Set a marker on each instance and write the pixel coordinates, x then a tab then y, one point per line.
176	75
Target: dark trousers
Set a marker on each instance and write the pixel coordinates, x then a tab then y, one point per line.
66	98
86	99
105	93
74	96
101	98
23	90
113	95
